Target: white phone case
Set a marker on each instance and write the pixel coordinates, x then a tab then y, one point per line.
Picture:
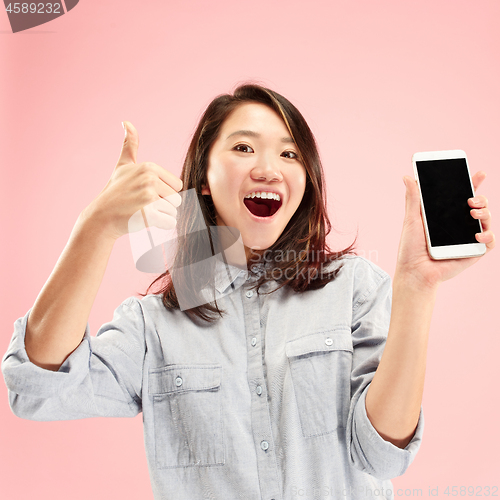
448	251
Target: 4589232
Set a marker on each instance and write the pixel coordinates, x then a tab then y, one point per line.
471	491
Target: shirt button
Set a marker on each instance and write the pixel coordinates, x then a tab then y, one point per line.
178	381
258	390
328	341
249	293
264	445
254	341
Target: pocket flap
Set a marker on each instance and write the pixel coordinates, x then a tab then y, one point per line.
329	340
181	378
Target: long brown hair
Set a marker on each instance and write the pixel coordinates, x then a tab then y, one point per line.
299	256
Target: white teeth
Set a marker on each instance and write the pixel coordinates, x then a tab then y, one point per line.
264	195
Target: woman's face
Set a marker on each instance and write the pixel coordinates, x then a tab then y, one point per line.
254	176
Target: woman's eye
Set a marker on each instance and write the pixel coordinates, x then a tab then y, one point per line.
290	154
244	148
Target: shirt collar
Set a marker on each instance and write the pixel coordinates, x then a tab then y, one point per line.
226	274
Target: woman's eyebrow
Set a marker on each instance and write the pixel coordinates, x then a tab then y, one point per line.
251	133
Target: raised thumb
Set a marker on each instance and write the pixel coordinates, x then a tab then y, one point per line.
412	198
130	145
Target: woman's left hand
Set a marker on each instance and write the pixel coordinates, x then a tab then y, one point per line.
413	258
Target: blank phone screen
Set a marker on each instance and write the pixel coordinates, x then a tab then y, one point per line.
446	187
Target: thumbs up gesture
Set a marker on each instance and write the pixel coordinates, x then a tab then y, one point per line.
137	193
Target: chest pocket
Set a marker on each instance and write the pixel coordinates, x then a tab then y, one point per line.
320	366
187	409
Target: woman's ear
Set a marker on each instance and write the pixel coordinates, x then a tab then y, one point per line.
205	189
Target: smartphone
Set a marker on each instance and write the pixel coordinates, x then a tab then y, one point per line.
445	185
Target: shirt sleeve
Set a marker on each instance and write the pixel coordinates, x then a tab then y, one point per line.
368	451
102	377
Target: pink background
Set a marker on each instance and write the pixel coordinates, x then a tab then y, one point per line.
377	81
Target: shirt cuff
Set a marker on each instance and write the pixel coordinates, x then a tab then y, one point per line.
25	378
379	457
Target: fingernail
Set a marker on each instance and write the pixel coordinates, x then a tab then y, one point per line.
124	128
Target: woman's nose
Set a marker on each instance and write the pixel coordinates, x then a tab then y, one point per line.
266	169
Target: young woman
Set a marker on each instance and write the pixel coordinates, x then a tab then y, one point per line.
297	381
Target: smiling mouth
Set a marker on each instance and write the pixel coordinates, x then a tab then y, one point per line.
261	207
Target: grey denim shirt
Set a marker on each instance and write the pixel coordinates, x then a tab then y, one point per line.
266	403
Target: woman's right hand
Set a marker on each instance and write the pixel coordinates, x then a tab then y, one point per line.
136	195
